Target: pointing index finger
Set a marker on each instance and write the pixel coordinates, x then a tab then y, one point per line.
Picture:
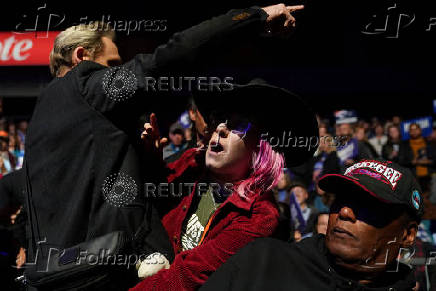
295	8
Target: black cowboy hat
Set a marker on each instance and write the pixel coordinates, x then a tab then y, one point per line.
282	118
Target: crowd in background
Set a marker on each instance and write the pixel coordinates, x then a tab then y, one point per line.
298	188
12	140
341	144
303	206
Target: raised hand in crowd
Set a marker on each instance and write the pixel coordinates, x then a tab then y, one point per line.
151	136
280	19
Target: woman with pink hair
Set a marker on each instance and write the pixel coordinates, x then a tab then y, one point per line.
229	206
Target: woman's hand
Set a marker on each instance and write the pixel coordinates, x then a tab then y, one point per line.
151	136
151	265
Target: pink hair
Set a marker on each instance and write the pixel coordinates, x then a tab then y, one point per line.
267	167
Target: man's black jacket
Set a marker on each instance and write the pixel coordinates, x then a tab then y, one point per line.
84	162
270	264
11	196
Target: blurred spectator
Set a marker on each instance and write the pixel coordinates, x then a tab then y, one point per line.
3	131
282	190
8	158
396	150
347	151
364	147
322	200
366	126
432	145
177	142
16	148
371	130
422	156
396	121
309	213
3	170
379	139
352	149
325	161
22	129
12	128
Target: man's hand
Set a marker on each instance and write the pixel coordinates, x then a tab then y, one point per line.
280	19
14	215
21	258
151	135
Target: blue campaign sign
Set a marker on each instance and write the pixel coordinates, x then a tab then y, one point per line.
424	122
434	106
296	214
184	120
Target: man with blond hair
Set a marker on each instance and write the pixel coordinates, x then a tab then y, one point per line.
85	165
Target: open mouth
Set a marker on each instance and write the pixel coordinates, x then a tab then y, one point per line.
216	147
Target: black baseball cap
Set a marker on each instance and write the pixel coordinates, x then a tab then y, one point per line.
385	180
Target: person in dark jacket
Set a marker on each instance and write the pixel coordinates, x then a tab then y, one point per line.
353	147
85	165
375	217
396	150
324	161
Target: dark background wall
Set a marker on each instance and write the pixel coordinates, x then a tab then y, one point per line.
339	57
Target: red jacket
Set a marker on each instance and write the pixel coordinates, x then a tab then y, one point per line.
233	225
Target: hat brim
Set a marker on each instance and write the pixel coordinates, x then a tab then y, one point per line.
338	184
282	118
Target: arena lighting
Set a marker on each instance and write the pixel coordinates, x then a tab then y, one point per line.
26	49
